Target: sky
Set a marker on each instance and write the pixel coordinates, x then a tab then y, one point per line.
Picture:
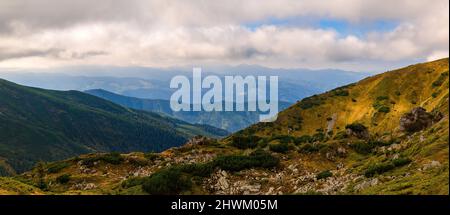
357	35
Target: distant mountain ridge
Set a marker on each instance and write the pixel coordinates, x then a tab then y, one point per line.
47	125
153	83
231	121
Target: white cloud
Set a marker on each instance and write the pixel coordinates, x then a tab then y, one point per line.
171	33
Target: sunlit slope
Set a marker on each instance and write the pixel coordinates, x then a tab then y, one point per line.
377	102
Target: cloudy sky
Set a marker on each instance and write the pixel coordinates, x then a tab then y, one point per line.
366	35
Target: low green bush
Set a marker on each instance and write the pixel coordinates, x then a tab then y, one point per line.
258	158
324	174
151	156
244	142
111	158
57	166
63	179
384	109
280	147
384	167
168	181
303	139
311	148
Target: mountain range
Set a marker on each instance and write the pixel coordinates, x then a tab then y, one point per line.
153	83
47	125
385	134
231	120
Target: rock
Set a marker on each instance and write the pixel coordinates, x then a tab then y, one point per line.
341	151
418	119
270	191
357	130
366	184
432	164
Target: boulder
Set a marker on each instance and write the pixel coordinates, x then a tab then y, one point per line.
357	130
418	119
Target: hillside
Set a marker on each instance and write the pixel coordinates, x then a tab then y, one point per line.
387	134
231	121
37	124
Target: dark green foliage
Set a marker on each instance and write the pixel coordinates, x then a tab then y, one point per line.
262	143
366	147
401	161
303	139
340	135
283	138
57	166
63	179
258	158
341	93
440	80
151	156
435	94
280	147
384	109
356	127
381	98
111	158
244	142
176	179
310	102
169	181
378	169
133	181
324	174
196	169
384	167
319	137
310	148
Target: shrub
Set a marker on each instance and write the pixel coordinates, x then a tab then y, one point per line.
381	98
367	147
198	169
169	181
384	167
151	156
258	158
303	139
340	135
283	138
320	137
63	179
324	174
262	143
57	167
341	93
378	169
310	148
401	161
244	142
133	181
111	158
356	127
280	147
310	102
384	109
440	80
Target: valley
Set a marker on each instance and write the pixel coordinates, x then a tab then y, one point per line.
385	134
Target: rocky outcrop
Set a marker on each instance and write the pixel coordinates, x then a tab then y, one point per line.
418	119
357	130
